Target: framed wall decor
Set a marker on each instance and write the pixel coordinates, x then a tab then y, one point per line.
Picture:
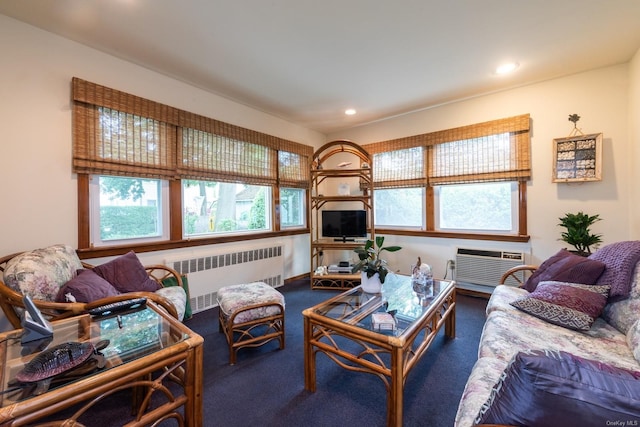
577	158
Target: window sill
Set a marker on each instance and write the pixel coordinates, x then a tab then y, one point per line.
449	235
105	251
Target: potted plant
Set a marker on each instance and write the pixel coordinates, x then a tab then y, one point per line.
371	263
578	233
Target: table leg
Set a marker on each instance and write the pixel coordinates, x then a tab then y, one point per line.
450	322
194	387
395	401
309	357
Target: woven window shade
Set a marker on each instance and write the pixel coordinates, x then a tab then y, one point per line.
123	134
492	151
208	156
498	150
399	168
293	170
111	142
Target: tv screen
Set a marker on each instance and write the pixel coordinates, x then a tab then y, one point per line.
342	224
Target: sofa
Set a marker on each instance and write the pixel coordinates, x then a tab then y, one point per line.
60	285
563	348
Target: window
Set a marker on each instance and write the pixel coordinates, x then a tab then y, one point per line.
467	180
490	207
222	207
293	211
179	175
399	207
128	209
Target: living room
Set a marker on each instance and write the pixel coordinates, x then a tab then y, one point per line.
41	190
605	98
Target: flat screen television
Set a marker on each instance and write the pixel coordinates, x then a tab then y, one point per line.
344	224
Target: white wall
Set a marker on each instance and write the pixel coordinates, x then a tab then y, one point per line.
39	191
600	97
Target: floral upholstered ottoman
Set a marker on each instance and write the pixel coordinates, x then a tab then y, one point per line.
250	315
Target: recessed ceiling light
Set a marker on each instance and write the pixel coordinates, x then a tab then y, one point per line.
349	111
507	68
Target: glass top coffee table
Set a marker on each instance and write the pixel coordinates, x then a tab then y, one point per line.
142	342
395	327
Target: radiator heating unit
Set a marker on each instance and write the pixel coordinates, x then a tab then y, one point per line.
208	272
480	269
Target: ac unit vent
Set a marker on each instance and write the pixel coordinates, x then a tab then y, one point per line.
485	267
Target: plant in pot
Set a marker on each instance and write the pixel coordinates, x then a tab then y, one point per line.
371	264
577	232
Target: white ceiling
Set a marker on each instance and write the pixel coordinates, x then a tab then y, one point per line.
306	61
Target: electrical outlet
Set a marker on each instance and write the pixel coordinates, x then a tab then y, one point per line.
452	264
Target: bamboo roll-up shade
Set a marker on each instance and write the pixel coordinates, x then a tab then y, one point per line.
497	157
112	142
208	156
395	144
102	96
514	124
293	170
474	153
399	168
166	154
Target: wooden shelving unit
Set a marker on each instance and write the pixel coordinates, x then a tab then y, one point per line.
334	164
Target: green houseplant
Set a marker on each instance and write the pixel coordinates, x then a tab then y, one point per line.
577	232
370	262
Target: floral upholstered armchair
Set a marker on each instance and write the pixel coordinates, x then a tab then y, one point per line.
61	285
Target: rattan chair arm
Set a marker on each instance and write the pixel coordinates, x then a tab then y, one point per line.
526	270
160	272
12	304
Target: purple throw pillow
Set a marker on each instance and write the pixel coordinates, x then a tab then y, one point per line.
87	286
620	260
556	388
570	305
566	267
127	274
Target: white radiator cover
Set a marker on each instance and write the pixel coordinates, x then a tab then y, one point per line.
208	272
485	267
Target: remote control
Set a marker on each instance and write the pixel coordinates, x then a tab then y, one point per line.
105	310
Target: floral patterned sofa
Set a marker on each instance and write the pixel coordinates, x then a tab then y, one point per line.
564	348
62	286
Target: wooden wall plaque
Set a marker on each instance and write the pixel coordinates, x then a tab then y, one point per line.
577	158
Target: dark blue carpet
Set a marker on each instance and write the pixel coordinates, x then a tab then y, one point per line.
266	386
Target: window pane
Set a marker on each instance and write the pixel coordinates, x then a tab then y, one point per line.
292	207
127	208
482	207
211	207
400	207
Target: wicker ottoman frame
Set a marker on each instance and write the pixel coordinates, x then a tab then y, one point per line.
249	325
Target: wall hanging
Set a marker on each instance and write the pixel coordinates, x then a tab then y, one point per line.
578	157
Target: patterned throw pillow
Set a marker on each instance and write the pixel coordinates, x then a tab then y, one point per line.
571	305
42	272
556	388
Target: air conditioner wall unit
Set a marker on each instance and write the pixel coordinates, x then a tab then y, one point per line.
485	267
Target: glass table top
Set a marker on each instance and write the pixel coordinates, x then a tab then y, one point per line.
391	312
131	335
